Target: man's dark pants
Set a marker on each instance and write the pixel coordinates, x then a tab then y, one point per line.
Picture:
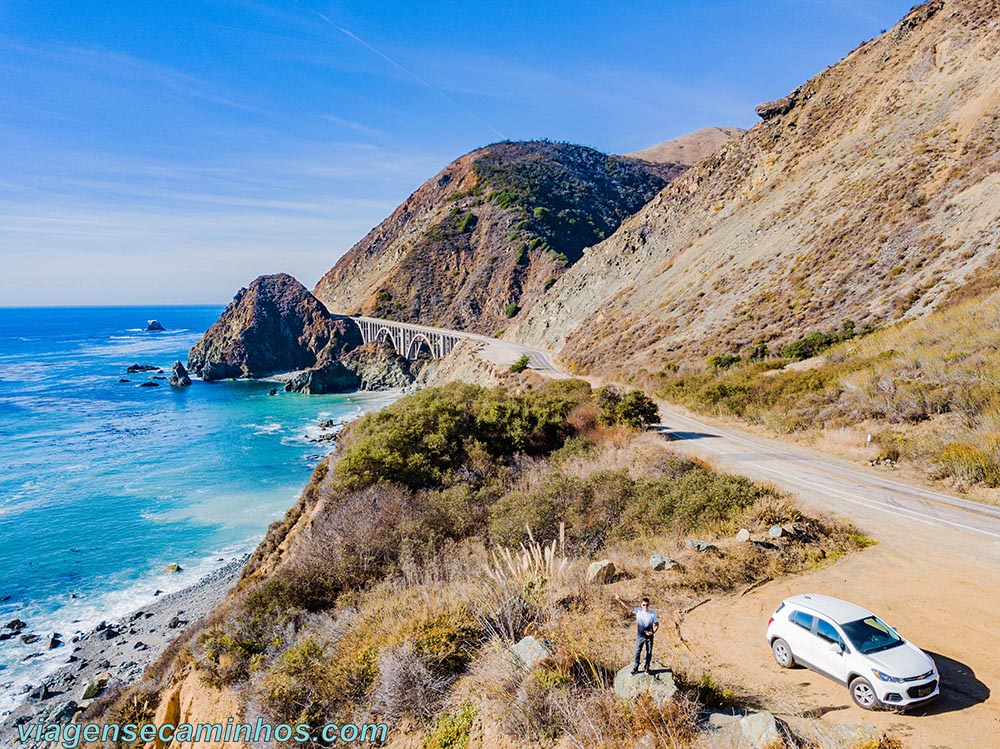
640	642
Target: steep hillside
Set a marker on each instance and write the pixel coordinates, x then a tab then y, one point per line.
689	149
868	194
487	236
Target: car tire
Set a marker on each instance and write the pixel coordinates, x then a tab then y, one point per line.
782	653
863	694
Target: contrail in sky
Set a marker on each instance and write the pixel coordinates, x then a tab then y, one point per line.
410	73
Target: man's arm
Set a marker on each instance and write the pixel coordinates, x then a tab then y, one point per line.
624	605
656	626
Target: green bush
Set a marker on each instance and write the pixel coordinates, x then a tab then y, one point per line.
723	361
511	309
423	439
452	729
521	364
634	409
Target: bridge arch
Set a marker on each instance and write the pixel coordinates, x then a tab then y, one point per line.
413	349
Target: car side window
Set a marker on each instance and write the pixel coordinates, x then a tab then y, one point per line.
825	630
801	618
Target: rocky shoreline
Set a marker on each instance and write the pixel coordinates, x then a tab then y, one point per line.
117	653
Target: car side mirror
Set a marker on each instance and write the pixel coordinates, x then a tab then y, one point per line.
836	647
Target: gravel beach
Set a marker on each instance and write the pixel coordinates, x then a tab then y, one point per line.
117	652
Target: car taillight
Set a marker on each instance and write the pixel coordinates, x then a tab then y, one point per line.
770	621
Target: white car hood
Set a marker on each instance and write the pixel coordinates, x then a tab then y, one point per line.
904	660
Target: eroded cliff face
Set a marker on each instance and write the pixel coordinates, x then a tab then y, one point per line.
486	237
870	193
274	325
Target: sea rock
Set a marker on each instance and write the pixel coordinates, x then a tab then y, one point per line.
179	376
39	693
530	652
16	624
659	562
136	368
149	385
332	377
95	687
372	366
124	380
63	713
274	325
109	633
272	391
154	325
54	642
172	568
600	572
658	683
30	639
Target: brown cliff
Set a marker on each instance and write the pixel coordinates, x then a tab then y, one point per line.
869	194
274	325
486	237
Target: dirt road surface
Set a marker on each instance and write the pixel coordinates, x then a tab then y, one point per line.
935	575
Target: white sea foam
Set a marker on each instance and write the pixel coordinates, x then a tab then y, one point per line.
80	615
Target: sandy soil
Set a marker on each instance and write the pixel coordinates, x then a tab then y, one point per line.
939	586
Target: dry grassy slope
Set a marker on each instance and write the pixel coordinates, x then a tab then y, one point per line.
487	232
869	200
688	149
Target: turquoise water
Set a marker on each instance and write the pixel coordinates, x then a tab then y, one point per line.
103	483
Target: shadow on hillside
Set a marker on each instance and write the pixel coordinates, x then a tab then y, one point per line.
671	434
960	688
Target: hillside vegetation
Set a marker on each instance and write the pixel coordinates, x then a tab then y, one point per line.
925	389
869	193
484	239
455	522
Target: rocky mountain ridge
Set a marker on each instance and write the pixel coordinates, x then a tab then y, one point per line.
487	236
867	195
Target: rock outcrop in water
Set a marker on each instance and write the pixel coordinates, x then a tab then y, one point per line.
179	376
275	325
373	366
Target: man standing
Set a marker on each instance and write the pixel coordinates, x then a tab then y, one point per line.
646	623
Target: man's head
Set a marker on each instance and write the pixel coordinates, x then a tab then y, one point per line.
644	602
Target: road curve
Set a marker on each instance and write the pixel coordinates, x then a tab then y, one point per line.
866	496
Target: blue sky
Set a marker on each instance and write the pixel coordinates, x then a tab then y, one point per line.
170	152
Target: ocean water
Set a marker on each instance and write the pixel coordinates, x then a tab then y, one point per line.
103	483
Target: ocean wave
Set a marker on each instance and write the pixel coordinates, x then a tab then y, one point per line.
269	428
76	616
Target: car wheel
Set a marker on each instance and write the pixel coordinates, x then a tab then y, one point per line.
864	695
782	653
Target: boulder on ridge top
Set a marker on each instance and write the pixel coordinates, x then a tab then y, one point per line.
274	325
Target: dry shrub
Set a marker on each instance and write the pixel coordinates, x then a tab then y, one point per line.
597	719
408	685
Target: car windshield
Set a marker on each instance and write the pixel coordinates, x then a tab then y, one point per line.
871	635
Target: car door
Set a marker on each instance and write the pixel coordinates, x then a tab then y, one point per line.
799	635
829	650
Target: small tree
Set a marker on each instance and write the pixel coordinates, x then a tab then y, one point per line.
520	365
634	409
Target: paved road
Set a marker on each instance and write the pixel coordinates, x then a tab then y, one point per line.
857	493
868	497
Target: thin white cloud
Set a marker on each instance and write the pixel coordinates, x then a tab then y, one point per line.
410	73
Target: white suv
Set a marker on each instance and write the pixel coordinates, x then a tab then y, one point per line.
853	646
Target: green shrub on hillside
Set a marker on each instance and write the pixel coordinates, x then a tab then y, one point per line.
521	364
424	439
634	408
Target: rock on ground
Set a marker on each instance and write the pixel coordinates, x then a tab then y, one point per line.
658	683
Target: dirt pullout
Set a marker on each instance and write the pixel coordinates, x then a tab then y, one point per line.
939	586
